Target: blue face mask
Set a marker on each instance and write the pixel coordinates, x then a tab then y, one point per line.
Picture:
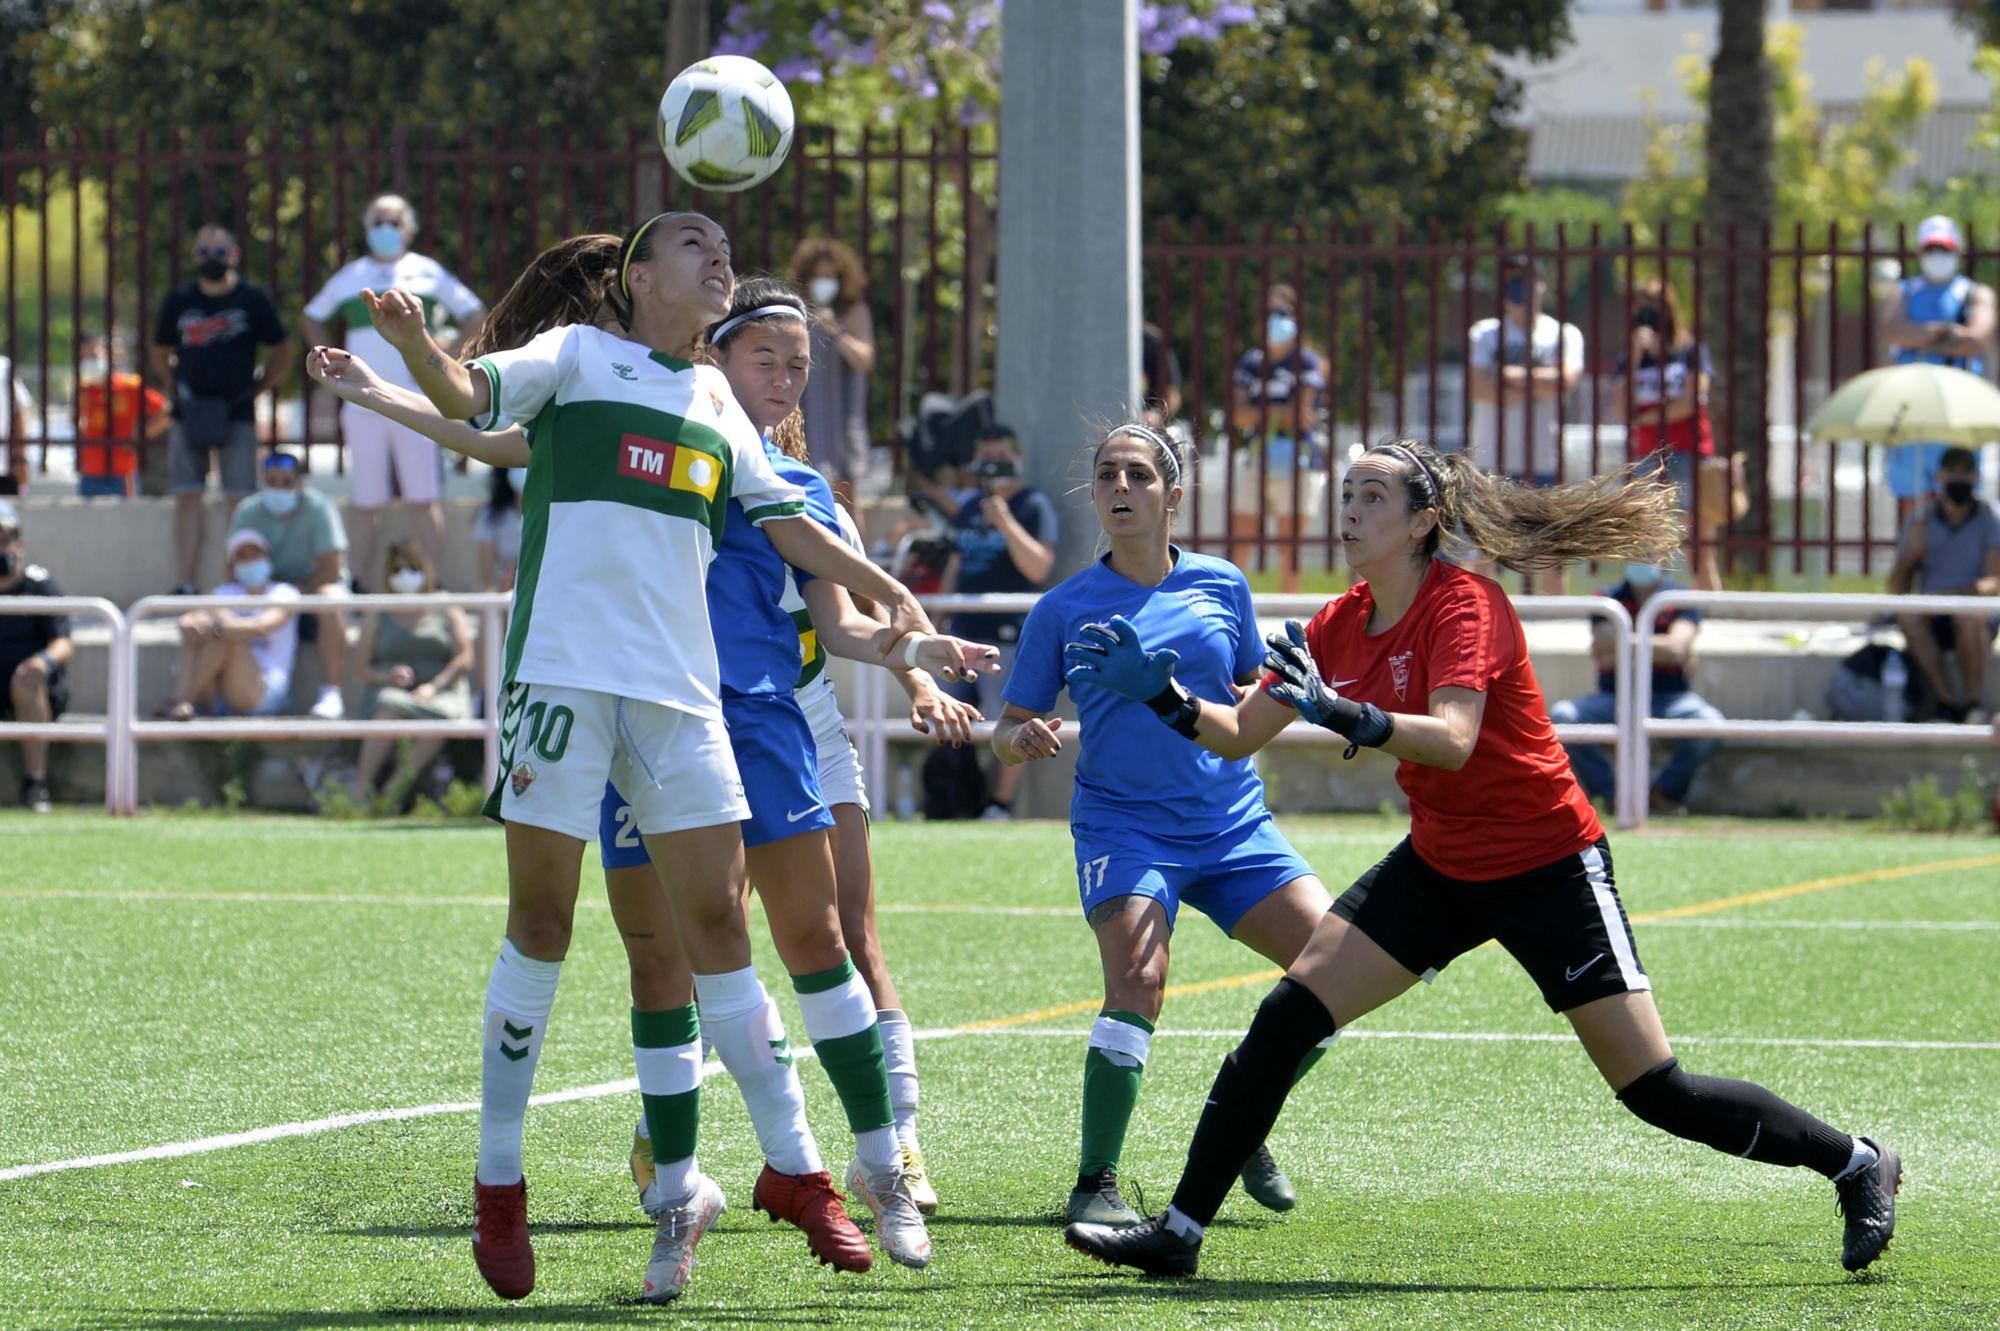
1641	575
385	240
518	478
281	502
1516	291
1280	329
253	573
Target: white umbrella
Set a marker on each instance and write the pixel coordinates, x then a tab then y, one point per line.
1918	403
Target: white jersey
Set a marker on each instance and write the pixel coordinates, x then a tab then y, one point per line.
1555	344
634	458
274	652
339	303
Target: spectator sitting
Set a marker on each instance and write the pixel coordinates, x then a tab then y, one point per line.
417	664
34	653
1940	316
1669	376
110	400
1274	407
238	661
1952	548
1673	657
497	531
302	530
1003	540
206	344
1161	401
835	405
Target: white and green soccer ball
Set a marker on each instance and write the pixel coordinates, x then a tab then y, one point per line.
726	123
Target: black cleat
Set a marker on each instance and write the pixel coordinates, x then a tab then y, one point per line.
35	795
1266	1184
1148	1246
1097	1201
1868	1200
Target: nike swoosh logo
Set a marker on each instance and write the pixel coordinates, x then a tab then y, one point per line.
1573	974
1342	683
802	813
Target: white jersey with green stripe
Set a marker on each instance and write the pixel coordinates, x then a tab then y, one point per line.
813	672
634	457
339	304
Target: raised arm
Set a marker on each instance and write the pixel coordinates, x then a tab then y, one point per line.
806	544
351	380
1110	656
457	393
846	632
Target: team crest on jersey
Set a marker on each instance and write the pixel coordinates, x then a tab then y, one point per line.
521	778
716	399
622	371
1399	672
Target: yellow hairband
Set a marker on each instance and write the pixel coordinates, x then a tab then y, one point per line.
625	264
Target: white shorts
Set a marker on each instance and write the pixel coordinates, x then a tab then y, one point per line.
373	443
558	746
1279	480
839	765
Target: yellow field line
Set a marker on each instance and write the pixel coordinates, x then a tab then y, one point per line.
1673	913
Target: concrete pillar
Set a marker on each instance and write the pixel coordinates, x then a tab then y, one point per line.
1068	309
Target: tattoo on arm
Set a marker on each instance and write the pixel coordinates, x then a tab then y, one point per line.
433	361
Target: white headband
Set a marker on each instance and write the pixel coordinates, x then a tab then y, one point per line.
1154	437
761	312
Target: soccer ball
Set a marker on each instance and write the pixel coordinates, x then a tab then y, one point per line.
725	123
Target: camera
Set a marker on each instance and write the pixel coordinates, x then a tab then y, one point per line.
993	471
1646	317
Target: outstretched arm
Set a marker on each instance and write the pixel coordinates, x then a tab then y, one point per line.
844	631
1110	656
352	381
456	392
805	543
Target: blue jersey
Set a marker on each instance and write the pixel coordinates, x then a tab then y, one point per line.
756	639
1133	772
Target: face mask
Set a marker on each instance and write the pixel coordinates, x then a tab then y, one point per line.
518	478
385	240
281	502
213	269
823	289
1642	575
407	581
1516	291
1280	329
10	563
1939	266
253	573
1959	492
92	370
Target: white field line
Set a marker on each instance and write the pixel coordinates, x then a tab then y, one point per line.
881	908
630	1085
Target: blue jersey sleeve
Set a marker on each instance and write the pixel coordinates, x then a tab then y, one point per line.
820	506
1037	678
1249	642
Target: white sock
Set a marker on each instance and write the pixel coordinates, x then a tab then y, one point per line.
1176	1223
518	999
1864	1157
740	1020
899	1050
880	1151
675	1183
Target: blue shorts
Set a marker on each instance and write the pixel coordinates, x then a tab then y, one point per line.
1911	469
779	763
1221	876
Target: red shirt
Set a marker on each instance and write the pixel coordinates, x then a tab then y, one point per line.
1514	806
117	459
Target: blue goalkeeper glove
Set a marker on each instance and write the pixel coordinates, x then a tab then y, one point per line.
1299	687
1110	656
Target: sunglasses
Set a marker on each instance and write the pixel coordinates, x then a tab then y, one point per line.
211	251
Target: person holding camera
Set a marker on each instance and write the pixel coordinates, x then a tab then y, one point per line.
1661	388
1003	540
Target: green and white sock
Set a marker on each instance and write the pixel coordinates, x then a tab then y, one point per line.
666	1048
519	996
840	1021
743	1025
899	1054
1113	1067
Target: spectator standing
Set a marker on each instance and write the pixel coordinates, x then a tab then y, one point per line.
1943	317
35	652
238	661
1521	369
1665	375
1952	548
110	404
380	449
302	531
417	665
218	342
497	530
1162	371
835	405
16	409
1674	699
1003	540
1275	408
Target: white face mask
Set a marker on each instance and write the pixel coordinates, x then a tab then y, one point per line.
407	581
253	573
1939	266
91	370
281	502
823	289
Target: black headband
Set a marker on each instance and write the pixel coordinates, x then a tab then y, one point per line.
1429	475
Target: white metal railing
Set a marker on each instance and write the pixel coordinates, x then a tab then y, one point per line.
490	606
1644	727
875	726
111	732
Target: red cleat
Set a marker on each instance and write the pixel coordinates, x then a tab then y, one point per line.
500	1245
809	1201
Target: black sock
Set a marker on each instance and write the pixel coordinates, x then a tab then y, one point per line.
1247	1095
1738	1117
